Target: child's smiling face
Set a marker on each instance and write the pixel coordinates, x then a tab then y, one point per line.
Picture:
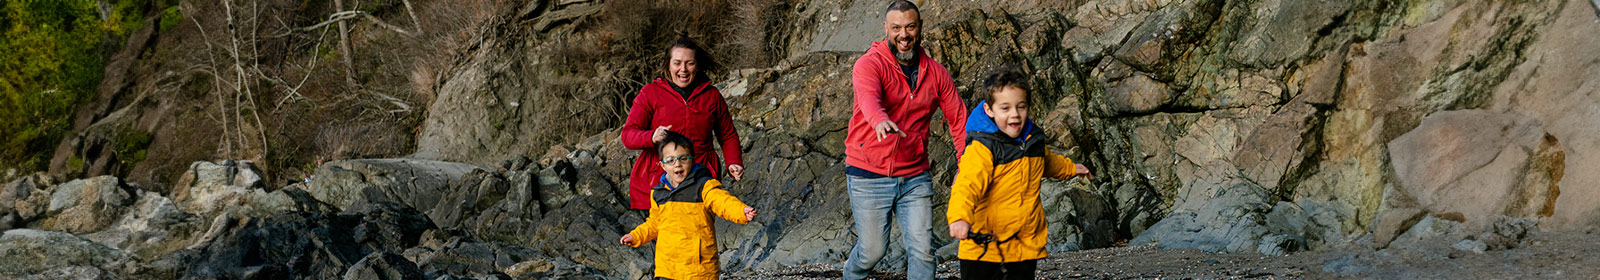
1009	110
676	161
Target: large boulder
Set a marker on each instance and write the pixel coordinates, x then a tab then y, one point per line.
26	252
1243	218
23	200
416	183
153	227
318	245
209	187
86	205
1478	165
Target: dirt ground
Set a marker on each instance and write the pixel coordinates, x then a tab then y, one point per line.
1565	255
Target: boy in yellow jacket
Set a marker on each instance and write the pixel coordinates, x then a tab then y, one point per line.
680	214
995	196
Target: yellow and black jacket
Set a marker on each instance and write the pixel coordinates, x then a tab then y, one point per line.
680	222
996	190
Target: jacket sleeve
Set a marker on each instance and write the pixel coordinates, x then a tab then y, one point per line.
974	174
646	232
722	203
955	115
868	88
1059	167
637	130
727	133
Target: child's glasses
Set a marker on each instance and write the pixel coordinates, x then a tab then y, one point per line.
676	160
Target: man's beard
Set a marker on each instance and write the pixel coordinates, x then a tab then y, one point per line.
907	56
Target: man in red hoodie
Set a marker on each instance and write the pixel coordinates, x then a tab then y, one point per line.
897	87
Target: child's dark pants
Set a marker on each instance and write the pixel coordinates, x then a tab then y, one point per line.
989	270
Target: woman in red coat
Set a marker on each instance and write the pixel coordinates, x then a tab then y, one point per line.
684	102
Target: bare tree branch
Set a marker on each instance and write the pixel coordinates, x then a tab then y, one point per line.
417	24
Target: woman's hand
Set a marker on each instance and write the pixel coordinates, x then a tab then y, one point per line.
736	171
749	213
1084	171
959	229
660	134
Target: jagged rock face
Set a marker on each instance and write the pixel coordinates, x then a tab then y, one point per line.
1176	103
1264	126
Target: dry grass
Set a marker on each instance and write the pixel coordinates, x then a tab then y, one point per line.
295	80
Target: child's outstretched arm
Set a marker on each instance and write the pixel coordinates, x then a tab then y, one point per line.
1060	167
725	205
644	233
974	173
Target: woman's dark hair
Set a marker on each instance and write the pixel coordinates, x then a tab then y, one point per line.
1000	79
702	59
675	138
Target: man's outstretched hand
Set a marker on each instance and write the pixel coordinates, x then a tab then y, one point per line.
883	129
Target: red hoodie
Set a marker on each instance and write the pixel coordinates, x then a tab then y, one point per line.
704	113
881	93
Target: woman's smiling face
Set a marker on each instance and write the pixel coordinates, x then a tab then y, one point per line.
681	66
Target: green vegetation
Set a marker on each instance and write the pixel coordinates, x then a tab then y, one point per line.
131	146
53	60
170	18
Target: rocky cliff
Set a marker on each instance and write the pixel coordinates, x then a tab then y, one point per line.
1263	127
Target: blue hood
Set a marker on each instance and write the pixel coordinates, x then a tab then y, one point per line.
979	121
693	174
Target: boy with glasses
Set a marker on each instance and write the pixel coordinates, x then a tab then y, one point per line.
680	214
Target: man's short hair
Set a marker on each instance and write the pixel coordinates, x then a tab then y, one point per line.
901	6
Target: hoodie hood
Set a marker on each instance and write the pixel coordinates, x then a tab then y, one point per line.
696	175
979	121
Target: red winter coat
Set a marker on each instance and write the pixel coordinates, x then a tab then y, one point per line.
704	114
881	93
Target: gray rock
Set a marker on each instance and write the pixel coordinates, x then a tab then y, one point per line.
320	245
1469	245
72	272
1284	30
555	185
474	260
207	187
476	192
1431	231
1229	222
1239	219
383	266
28	251
153	227
86	205
416	183
1508	232
1077	218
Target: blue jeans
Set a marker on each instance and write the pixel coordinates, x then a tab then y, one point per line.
872	202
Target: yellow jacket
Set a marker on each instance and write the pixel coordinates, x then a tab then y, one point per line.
996	190
680	217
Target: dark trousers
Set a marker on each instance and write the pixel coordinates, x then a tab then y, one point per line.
989	270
